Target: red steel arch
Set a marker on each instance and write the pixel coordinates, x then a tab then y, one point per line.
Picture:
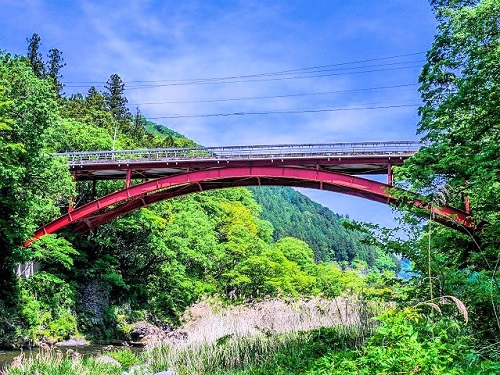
131	198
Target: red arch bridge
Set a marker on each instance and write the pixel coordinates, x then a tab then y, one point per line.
154	175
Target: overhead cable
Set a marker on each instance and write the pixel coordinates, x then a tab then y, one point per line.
302	111
309	70
276	96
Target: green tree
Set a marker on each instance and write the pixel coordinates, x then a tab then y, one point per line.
91	111
32	183
138	132
460	88
297	251
292	214
97	111
71	135
117	101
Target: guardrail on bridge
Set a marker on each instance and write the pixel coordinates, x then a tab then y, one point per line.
248	152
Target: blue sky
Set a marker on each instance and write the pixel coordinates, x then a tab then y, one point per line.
170	44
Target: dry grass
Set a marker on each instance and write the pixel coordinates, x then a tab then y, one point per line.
236	337
445	300
52	361
207	322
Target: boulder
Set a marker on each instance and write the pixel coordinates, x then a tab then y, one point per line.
72	342
144	333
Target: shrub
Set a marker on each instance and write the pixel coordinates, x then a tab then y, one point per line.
125	357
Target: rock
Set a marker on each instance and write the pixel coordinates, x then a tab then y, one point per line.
72	342
48	341
178	336
93	299
109	360
144	333
138	370
168	372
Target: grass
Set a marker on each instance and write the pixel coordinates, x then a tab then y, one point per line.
260	354
207	322
52	361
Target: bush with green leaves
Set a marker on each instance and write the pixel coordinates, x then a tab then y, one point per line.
47	307
411	342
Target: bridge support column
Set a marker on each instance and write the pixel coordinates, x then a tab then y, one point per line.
389	175
466	199
128	178
72	198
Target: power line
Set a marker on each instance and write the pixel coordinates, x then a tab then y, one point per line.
291	71
302	111
297	71
199	83
276	96
208	82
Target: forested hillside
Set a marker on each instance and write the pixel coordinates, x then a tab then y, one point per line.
293	214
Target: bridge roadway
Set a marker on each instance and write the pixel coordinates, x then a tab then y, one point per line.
364	158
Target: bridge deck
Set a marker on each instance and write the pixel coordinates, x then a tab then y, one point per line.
349	158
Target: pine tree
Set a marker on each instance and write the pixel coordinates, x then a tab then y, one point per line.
117	101
98	109
95	100
138	130
35	56
54	65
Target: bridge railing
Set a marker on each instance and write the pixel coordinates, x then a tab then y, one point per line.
247	152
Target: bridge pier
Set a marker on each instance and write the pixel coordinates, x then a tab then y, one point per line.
128	178
390	178
72	198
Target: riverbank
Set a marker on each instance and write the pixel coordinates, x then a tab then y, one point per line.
405	339
335	337
213	335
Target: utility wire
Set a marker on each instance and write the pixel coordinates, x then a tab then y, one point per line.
199	83
291	71
217	79
210	82
276	96
282	112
